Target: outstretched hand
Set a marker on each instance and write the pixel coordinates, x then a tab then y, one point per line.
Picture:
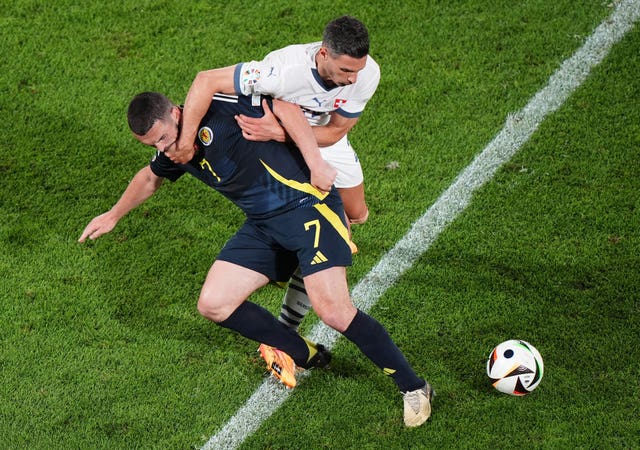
100	225
265	128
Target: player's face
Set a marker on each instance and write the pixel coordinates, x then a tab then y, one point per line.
163	135
340	70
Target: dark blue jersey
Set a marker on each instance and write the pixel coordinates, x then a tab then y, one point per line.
262	178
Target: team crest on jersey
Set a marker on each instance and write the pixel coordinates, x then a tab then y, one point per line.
205	135
251	76
338	103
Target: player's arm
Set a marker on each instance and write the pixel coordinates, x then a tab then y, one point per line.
262	129
204	86
267	128
293	120
143	185
335	130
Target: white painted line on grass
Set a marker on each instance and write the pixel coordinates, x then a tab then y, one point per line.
517	130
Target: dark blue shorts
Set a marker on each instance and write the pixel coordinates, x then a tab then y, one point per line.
312	237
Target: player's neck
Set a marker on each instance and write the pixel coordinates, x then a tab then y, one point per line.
322	71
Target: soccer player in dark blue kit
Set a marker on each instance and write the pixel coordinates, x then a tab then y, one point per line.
294	217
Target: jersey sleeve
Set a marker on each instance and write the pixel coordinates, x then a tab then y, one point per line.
252	78
162	166
271	76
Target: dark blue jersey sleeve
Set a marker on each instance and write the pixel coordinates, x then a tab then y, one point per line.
162	166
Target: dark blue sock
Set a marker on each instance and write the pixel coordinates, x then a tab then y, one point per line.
256	323
374	341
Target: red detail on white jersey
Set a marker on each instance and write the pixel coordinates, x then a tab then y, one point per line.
338	103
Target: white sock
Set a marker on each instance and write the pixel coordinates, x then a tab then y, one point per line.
296	303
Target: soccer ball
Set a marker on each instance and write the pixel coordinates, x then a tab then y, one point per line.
515	367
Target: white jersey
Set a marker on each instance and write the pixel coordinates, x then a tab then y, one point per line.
291	74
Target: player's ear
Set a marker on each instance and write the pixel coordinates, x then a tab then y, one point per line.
176	113
324	52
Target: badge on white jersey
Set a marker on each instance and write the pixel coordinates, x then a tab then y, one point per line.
250	76
338	102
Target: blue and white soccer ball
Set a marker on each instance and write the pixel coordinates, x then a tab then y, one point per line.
515	367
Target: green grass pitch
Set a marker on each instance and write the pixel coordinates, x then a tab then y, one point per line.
102	346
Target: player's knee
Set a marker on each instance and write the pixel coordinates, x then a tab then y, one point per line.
210	309
362	217
333	321
337	318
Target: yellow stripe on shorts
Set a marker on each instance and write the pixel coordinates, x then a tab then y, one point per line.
334	220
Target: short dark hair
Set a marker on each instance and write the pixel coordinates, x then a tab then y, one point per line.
145	109
346	35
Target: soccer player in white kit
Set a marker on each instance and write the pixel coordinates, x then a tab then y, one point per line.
331	107
331	81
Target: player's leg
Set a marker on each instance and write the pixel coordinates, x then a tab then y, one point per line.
223	301
349	179
249	260
350	184
330	299
226	287
354	202
329	295
295	304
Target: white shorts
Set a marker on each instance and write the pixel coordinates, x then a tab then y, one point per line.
344	159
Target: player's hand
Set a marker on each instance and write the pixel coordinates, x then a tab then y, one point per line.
183	151
323	175
265	128
100	225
